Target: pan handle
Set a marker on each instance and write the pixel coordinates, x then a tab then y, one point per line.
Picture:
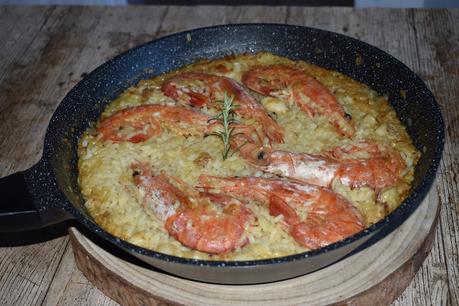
18	211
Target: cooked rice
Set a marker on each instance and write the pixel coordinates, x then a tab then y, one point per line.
114	202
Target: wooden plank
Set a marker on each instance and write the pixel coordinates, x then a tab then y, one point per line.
16	37
180	18
27	271
71	287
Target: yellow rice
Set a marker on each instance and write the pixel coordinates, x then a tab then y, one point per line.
107	184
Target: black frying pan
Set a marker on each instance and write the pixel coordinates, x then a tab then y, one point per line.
49	191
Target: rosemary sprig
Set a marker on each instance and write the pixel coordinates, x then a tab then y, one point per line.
226	118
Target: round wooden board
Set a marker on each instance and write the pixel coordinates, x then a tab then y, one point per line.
374	276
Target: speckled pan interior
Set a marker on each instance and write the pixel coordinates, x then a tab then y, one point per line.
54	180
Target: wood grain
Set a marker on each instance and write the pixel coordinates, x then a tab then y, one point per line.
46	50
27	271
16	37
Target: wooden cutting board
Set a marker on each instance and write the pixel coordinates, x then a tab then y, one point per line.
374	276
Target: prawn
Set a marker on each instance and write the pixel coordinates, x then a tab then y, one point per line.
293	85
374	167
207	222
329	216
199	89
139	123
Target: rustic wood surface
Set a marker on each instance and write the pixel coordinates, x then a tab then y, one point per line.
375	276
46	50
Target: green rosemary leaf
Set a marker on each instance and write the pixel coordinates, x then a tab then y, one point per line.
226	118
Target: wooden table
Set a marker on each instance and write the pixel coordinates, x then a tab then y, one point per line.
46	50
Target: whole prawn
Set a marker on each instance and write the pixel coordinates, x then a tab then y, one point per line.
293	85
329	217
207	222
140	123
381	168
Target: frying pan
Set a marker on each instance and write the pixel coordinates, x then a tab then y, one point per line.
49	191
